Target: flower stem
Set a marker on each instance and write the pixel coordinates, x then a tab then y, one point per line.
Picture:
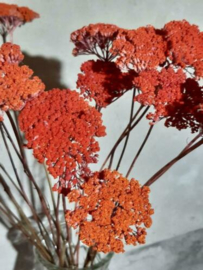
165	168
128	135
124	133
139	151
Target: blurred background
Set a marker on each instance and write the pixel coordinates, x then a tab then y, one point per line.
177	196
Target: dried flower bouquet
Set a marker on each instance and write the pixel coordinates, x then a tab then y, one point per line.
161	67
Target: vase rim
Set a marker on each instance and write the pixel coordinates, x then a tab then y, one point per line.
46	263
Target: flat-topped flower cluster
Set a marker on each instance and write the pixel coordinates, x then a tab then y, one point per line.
164	63
110	210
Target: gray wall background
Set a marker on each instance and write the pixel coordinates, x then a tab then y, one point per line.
177	196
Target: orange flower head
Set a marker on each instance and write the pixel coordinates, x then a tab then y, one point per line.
140	49
111	211
10	53
12	16
61	128
17	84
94	39
185	45
103	82
160	89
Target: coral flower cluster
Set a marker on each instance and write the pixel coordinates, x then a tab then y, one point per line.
94	39
162	61
12	16
103	81
160	89
17	84
140	49
111	211
185	45
61	128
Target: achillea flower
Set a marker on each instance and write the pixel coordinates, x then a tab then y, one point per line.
110	210
185	44
17	84
61	128
188	112
10	53
140	49
160	89
94	39
103	81
12	16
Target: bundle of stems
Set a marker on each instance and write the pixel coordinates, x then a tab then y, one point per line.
57	246
45	230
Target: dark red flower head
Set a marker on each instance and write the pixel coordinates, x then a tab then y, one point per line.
188	111
94	39
103	81
61	128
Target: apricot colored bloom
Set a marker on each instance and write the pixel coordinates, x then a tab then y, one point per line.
12	16
94	39
61	128
160	89
103	81
140	49
188	112
185	45
110	211
10	53
17	84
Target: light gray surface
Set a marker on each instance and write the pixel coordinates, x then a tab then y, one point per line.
184	252
177	197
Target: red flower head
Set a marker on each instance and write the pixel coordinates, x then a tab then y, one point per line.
17	85
140	49
188	112
110	210
160	89
103	81
10	53
94	39
185	45
12	16
60	128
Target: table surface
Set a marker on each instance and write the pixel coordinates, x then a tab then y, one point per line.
184	252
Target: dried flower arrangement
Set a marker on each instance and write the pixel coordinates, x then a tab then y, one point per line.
161	67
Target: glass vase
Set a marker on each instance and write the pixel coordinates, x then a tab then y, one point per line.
101	262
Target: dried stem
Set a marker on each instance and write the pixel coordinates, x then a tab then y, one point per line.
27	224
128	135
182	154
30	176
21	190
139	151
124	133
